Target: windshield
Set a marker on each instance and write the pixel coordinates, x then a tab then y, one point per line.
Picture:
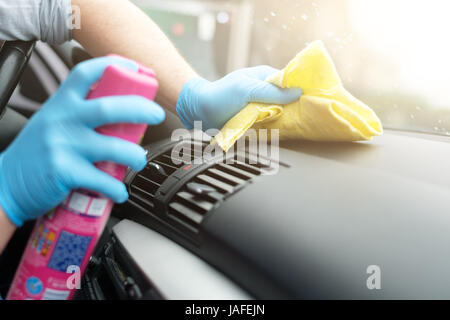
393	55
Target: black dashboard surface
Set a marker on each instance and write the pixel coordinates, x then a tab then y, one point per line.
314	229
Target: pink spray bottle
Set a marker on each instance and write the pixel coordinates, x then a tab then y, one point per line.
62	241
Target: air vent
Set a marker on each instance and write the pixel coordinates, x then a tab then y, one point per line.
146	183
144	189
204	192
191	203
187	152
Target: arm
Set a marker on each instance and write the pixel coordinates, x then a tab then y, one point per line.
107	26
7	229
118	26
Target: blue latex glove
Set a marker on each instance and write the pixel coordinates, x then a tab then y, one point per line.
55	152
214	103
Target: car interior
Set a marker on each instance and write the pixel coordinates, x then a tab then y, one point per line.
231	228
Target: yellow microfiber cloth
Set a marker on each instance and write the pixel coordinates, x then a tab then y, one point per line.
325	112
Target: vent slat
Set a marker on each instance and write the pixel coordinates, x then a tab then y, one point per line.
146	184
136	190
254	161
182	211
241	174
141	196
168	159
194	153
167	167
225	177
184	159
179	159
190	149
222	187
246	167
146	174
195	202
213	197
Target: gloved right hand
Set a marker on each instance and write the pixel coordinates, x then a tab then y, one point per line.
214	103
55	153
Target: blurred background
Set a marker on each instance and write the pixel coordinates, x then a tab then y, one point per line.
393	55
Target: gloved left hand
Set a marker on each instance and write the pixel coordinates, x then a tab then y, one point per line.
56	151
214	103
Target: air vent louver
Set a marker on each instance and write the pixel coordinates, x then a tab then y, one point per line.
223	178
196	198
145	185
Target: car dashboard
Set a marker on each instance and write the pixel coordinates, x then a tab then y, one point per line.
312	229
235	230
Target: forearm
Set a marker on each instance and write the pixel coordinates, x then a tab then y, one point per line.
118	26
7	229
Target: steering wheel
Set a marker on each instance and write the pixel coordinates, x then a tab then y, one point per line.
14	57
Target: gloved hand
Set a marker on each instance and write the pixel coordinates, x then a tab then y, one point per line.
55	152
214	103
